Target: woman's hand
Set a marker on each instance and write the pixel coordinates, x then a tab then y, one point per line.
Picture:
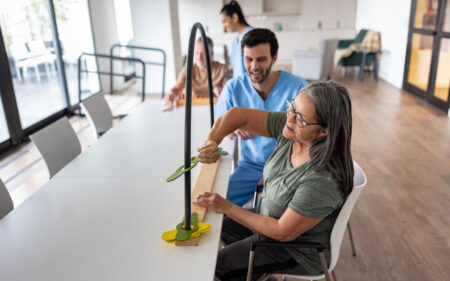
169	100
209	152
213	201
217	90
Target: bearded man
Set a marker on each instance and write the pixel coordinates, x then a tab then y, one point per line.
258	88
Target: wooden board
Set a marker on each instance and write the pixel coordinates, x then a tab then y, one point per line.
200	101
204	183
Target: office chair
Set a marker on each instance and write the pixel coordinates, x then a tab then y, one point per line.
6	203
98	113
359	182
58	144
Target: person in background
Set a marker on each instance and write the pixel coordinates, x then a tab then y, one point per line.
199	76
259	88
233	20
306	180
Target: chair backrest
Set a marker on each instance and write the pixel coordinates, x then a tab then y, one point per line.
6	203
37	48
19	51
360	37
359	182
98	113
58	144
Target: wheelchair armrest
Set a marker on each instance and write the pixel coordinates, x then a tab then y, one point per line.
342	44
292	244
258	189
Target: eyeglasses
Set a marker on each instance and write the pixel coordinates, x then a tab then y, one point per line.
297	116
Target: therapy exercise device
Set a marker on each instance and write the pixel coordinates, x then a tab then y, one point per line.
188	233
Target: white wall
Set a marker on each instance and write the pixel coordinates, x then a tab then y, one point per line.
296	34
207	12
153	27
391	18
105	33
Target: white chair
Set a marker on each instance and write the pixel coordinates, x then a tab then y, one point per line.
98	113
23	60
37	56
359	182
6	203
58	144
38	49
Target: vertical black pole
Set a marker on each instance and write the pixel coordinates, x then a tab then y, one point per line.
187	132
208	69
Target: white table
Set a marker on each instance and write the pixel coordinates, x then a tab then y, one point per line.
148	143
104	222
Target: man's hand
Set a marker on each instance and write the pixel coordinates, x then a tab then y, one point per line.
209	152
244	134
213	201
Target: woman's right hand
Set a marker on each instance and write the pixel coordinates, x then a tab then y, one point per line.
169	100
209	152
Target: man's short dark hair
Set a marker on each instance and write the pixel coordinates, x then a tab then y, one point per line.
260	36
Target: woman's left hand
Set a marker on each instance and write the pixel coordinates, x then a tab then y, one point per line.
213	201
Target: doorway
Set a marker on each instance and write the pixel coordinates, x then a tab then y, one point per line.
427	66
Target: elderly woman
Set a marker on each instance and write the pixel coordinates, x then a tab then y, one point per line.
306	181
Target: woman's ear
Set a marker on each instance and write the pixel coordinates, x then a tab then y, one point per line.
235	18
322	133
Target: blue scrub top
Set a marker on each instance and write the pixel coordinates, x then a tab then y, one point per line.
236	60
240	92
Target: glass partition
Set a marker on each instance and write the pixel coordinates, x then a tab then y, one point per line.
74	28
29	45
442	83
420	61
426	14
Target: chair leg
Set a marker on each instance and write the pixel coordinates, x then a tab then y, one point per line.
375	66
250	265
19	74
351	239
334	275
38	76
362	67
324	267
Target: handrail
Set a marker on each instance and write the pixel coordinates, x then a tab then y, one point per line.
111	66
187	128
111	74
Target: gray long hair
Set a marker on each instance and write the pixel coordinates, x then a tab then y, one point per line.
334	112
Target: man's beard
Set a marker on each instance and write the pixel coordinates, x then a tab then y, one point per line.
264	77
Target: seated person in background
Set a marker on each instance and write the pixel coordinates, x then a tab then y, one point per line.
199	75
306	180
258	88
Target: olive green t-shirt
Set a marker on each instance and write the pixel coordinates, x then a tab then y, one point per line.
306	192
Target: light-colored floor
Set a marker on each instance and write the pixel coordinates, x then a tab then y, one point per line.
401	222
